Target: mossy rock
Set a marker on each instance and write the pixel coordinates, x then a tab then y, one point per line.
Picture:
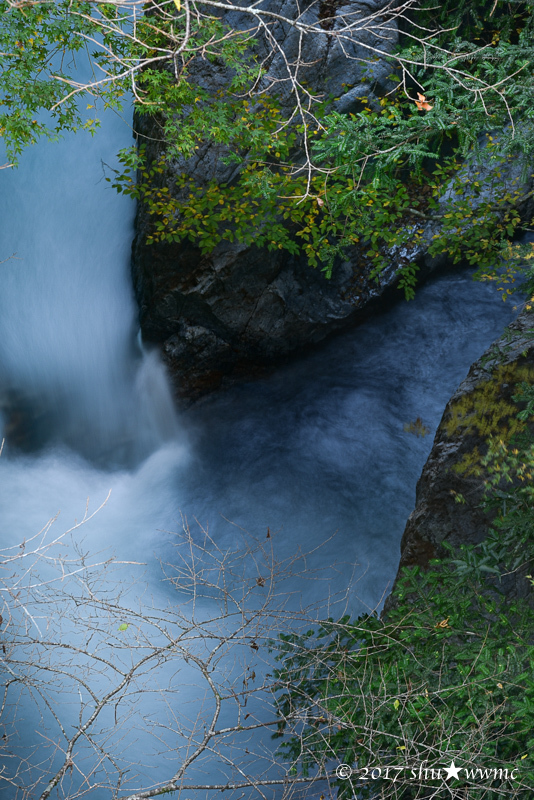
490	412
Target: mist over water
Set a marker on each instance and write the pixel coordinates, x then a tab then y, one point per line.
317	452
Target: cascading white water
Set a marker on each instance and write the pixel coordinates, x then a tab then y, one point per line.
70	369
318	448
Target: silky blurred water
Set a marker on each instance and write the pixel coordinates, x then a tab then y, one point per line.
318	452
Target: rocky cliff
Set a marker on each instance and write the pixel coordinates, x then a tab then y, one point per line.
241	308
481	407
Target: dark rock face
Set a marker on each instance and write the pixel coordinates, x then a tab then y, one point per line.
483	397
240	308
227	315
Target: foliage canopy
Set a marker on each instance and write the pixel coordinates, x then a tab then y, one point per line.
307	178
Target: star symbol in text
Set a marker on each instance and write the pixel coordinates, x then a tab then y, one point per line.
452	771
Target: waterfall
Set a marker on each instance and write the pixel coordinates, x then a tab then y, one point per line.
71	369
317	452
